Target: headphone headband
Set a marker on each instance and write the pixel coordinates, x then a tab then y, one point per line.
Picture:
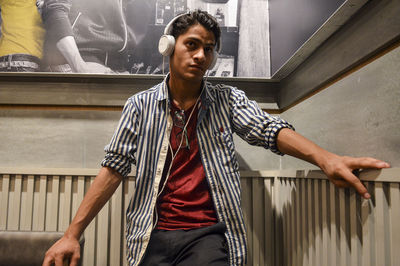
168	28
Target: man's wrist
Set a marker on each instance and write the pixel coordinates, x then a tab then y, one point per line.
72	233
78	65
324	158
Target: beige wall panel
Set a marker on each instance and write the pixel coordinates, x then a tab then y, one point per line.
39	202
304	227
269	222
289	211
368	234
279	251
89	255
324	223
354	224
27	203
317	220
344	244
394	222
300	204
14	203
5	192
65	203
52	206
102	236
248	214
332	223
381	240
117	214
311	229
297	220
258	224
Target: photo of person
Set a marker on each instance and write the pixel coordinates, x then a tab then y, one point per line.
121	36
89	37
22	35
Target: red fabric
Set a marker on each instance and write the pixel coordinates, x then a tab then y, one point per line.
186	201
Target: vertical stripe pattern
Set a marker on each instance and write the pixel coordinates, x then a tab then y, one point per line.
142	139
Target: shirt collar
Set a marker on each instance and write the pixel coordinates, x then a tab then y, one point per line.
163	89
207	96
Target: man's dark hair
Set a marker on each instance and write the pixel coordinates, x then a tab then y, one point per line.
183	23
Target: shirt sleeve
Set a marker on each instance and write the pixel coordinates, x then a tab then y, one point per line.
252	124
120	153
56	20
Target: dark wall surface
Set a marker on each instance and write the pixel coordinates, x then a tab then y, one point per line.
293	22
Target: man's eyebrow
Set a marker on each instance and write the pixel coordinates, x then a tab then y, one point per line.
200	41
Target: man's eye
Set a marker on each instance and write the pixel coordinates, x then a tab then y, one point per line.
190	44
208	49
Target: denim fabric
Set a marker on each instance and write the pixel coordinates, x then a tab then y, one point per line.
197	247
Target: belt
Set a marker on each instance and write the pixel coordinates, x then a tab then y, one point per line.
19	60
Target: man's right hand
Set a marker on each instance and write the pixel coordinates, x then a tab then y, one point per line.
91	67
64	249
100	191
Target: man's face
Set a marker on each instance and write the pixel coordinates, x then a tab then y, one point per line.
193	53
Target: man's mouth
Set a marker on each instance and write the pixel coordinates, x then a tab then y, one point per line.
196	66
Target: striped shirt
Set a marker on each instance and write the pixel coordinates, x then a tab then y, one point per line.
142	138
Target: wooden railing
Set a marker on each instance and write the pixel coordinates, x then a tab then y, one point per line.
292	217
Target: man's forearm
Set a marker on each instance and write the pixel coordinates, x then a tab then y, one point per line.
294	144
98	194
68	48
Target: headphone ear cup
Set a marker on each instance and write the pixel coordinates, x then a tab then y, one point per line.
166	45
214	61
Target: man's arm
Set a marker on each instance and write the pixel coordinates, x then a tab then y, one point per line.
68	48
337	168
98	194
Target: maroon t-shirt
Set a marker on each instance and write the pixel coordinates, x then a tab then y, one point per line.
185	202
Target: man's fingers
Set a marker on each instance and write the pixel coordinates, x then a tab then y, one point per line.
58	260
75	259
341	183
355	182
47	261
367	162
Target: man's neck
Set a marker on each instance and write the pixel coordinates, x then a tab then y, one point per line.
184	93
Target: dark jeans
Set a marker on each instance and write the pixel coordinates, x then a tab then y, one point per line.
19	63
197	247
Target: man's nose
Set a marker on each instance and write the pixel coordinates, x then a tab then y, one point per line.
200	55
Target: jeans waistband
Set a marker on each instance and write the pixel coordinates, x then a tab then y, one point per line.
19	60
19	57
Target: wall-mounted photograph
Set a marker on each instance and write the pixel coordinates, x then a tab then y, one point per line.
121	36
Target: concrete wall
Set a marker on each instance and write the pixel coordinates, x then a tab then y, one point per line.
55	138
358	115
76	139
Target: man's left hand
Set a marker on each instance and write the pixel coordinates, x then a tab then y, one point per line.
340	171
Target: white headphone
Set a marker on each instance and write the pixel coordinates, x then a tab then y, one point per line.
166	43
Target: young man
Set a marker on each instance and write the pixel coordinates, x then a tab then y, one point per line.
186	207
